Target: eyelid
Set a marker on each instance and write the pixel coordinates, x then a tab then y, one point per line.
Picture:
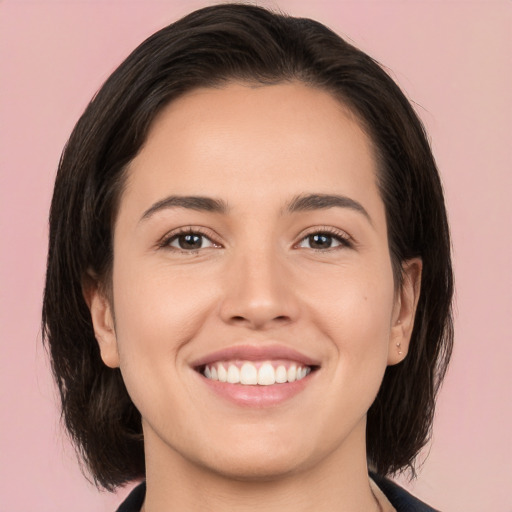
345	239
163	243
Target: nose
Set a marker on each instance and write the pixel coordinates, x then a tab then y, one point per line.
259	292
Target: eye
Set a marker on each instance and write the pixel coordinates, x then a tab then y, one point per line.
189	241
323	241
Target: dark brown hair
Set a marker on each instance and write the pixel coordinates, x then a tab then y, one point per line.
210	47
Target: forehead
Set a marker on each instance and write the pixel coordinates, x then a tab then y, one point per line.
264	110
259	141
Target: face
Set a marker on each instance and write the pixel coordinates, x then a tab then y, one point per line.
251	243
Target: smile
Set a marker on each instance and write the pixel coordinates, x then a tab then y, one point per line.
249	373
257	375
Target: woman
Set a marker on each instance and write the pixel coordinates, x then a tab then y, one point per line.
249	282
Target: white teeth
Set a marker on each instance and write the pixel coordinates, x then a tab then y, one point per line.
281	375
266	375
302	372
233	374
222	373
250	375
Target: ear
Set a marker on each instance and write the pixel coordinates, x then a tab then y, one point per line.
102	321
404	311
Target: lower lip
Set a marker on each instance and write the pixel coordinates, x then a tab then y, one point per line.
257	396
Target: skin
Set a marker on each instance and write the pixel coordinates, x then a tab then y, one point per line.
257	280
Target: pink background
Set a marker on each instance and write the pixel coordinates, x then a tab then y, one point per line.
451	57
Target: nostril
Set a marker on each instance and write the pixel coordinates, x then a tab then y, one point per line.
241	318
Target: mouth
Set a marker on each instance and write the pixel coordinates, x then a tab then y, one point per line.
256	375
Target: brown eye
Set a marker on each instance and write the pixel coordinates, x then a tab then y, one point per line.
190	241
323	241
320	241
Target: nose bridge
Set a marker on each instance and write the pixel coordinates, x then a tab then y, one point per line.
258	290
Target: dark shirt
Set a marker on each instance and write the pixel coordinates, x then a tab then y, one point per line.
398	497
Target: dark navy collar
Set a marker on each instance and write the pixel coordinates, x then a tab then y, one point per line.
135	500
401	500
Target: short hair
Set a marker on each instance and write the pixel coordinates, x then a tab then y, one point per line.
208	48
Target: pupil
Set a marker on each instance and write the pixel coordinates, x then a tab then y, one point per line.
320	241
190	242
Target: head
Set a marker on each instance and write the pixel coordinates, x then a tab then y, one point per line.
237	48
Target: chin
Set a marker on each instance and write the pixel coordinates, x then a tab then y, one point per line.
260	467
261	451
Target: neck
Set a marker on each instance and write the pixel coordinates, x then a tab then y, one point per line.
338	482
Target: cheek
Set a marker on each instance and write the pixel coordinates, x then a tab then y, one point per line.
155	305
354	310
155	317
354	302
157	312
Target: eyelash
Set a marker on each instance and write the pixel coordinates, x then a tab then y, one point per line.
165	242
345	241
343	238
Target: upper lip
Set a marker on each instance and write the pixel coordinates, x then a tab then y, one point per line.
256	353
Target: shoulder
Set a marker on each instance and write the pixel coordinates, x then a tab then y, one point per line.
401	500
134	501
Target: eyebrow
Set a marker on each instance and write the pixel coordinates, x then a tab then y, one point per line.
301	203
307	202
199	203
